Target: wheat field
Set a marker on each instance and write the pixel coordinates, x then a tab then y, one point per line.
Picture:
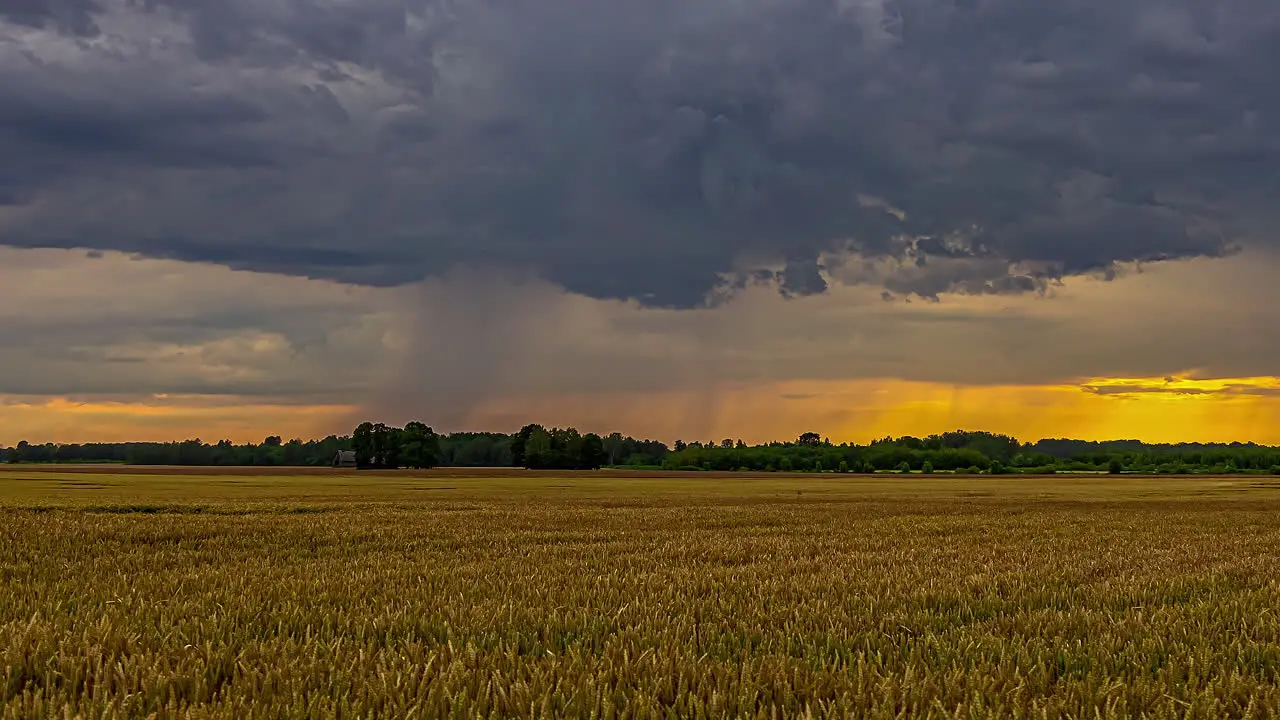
207	594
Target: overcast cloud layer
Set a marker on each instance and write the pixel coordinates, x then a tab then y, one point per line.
659	150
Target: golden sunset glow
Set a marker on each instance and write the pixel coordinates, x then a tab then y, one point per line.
1185	388
1149	409
164	419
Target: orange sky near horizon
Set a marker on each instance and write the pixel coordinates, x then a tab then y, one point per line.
1151	409
61	420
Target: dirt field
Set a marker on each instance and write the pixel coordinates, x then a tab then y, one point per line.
235	594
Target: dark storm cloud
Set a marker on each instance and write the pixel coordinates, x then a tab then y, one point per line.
659	150
164	132
70	16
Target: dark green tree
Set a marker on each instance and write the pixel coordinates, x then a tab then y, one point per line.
613	447
389	443
519	443
592	454
362	444
378	446
420	446
538	449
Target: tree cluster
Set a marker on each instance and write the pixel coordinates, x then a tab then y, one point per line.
812	453
538	448
381	446
975	452
472	449
271	451
1162	458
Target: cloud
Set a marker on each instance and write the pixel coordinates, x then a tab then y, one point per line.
69	16
112	327
666	152
1186	387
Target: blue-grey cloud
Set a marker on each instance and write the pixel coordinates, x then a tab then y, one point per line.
70	16
662	151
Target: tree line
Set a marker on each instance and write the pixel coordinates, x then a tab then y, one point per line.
974	453
376	445
417	445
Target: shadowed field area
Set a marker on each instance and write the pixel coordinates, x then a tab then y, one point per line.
134	593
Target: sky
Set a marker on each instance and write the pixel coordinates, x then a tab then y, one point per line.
696	219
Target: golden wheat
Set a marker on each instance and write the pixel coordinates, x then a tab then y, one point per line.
429	596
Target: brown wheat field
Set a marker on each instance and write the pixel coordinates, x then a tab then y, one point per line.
198	594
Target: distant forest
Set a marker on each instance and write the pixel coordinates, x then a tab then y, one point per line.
416	445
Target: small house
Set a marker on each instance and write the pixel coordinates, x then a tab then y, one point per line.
345	459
